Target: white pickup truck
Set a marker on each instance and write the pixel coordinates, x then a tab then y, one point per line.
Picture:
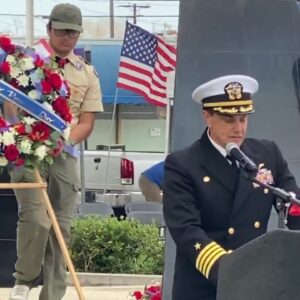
111	174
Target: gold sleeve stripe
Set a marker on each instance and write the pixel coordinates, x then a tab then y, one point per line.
208	260
204	253
208	256
213	260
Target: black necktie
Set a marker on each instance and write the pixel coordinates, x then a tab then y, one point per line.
233	162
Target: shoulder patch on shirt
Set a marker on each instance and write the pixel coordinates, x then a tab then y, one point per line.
78	66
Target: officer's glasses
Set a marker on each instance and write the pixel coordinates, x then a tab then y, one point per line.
73	34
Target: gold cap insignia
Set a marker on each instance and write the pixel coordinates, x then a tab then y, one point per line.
234	90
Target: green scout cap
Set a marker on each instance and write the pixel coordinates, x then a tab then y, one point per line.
66	16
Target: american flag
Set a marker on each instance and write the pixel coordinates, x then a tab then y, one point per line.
145	61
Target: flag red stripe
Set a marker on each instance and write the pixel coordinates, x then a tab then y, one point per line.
158	73
132	66
137	69
151	87
163	68
171	62
170	47
158	84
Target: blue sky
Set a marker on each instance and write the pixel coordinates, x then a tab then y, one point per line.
94	10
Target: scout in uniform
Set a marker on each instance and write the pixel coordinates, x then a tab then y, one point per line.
209	206
38	249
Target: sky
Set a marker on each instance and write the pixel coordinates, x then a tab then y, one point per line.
159	16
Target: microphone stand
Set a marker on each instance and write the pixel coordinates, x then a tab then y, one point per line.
283	199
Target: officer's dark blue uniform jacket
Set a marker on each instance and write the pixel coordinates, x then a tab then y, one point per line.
211	209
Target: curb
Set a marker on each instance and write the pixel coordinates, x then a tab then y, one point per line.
108	279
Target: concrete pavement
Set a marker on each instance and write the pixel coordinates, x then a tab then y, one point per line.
90	293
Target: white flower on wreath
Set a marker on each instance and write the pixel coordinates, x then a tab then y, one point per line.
25	146
23	80
3	161
41	151
66	133
11	59
34	94
48	106
27	64
8	138
15	72
29	120
263	175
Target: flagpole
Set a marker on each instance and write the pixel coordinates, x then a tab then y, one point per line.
167	129
110	141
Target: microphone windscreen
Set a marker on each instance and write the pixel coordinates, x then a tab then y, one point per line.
230	146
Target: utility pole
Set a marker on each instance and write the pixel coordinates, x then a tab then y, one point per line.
29	22
135	8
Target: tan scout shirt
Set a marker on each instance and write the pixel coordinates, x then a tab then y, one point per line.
85	92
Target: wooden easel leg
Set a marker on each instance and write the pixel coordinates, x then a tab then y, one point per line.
59	237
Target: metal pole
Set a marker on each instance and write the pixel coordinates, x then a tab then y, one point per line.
167	132
82	175
29	23
111	17
134	13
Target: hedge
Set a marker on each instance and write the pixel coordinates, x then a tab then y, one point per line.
109	245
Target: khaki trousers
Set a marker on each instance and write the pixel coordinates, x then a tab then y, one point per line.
37	246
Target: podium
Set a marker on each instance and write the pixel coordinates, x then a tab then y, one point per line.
266	268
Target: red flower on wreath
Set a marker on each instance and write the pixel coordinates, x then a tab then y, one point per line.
55	81
46	87
5	68
20	128
3	123
6	45
19	162
39	63
11	152
60	105
40	132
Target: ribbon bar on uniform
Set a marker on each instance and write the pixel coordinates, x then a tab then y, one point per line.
31	106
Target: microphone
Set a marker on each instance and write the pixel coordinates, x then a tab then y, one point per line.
244	161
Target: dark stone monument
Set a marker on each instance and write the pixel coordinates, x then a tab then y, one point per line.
259	38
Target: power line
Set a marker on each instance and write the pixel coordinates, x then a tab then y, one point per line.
135	7
96	16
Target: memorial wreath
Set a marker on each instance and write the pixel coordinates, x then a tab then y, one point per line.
35	84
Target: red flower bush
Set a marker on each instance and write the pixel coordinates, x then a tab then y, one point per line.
151	292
